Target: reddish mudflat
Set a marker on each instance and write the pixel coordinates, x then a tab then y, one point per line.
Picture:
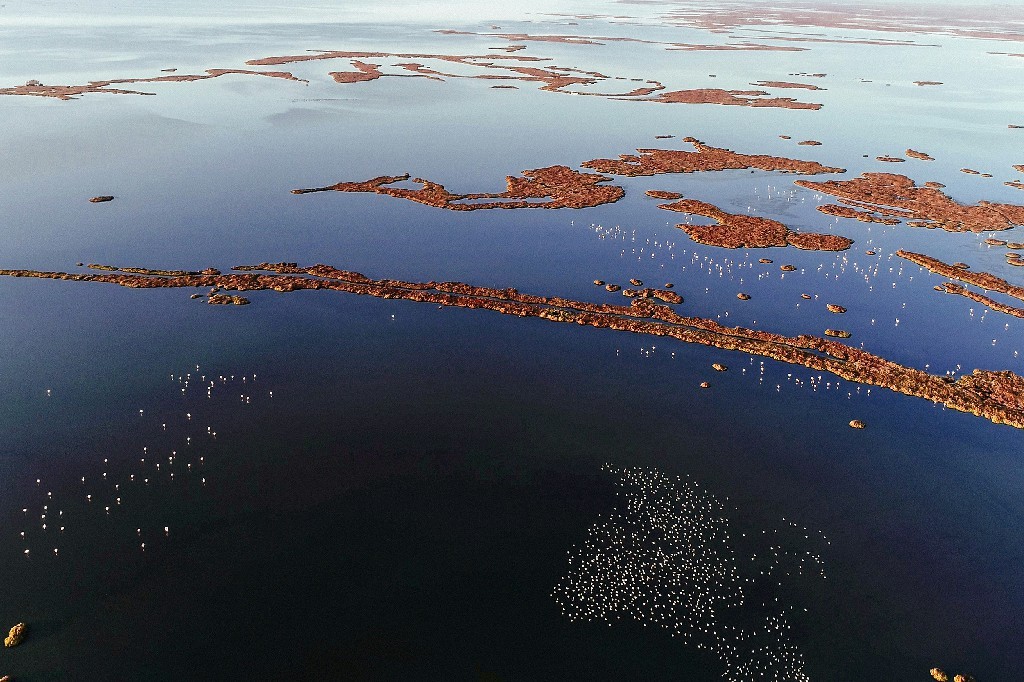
994	395
785	84
897	196
560	185
863	216
36	89
704	158
733	231
983	280
739	98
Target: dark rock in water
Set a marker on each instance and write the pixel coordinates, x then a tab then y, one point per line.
612	287
16	636
635	282
833	308
704	384
939	674
837	333
599	282
743	297
765	260
718	367
787	268
101	199
858	424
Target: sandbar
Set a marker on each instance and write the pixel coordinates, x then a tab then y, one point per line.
994	395
733	231
740	98
66	92
888	194
983	280
863	216
785	84
562	186
704	158
995	22
602	40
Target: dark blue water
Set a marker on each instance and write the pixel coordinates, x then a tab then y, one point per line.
405	502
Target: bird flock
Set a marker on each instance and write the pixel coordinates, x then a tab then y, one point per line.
669	557
124	493
900	294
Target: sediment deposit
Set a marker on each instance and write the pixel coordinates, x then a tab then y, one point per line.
704	158
888	194
560	185
982	280
995	395
734	231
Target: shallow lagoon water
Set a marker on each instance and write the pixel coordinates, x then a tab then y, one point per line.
404	504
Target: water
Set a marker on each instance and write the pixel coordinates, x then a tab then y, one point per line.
408	500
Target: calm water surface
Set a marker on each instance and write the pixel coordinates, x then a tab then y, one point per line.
380	489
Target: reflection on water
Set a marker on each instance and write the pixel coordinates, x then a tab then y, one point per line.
669	557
